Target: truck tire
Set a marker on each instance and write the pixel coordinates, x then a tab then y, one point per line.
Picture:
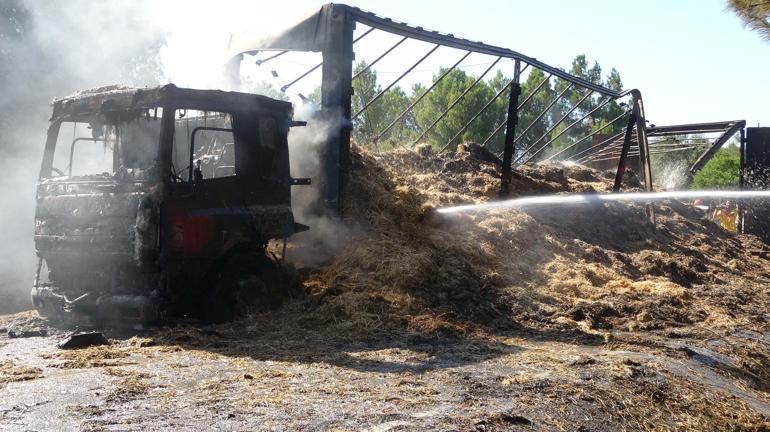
247	282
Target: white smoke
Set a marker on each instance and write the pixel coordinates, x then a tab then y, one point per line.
327	233
50	49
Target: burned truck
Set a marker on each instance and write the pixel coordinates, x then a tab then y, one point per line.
160	202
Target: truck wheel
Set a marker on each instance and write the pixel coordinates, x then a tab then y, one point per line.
248	282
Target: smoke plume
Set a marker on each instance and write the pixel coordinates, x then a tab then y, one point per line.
51	49
327	233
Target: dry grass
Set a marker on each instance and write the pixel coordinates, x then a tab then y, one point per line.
11	372
597	267
91	357
569	280
596	271
127	389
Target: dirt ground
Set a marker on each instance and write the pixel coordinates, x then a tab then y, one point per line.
569	318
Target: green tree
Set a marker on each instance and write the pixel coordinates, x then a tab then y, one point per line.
498	111
442	96
721	172
563	112
382	112
528	131
613	109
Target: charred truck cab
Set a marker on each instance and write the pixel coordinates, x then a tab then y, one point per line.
161	202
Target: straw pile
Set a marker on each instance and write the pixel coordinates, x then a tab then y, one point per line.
557	318
594	268
599	273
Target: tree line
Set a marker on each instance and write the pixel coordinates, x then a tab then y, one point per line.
533	130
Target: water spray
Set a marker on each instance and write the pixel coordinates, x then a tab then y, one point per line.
571	199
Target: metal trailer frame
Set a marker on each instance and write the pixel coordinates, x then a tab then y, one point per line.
329	30
612	147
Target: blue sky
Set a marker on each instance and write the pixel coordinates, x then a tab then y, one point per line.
693	60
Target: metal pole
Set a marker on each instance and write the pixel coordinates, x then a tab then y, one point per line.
624	153
510	131
609	150
644	152
481	111
336	92
641	139
741	183
286	87
718	143
265	60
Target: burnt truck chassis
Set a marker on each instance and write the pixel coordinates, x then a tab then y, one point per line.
143	244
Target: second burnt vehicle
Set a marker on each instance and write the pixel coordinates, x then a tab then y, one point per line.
161	202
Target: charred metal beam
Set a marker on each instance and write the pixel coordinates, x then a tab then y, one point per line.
684	141
510	131
674	133
336	93
709	153
260	62
286	86
551	130
742	182
456	101
676	145
644	151
416	101
449	40
742	149
411	68
624	153
641	140
690	128
633	153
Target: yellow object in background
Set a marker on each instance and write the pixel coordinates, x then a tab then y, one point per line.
727	218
